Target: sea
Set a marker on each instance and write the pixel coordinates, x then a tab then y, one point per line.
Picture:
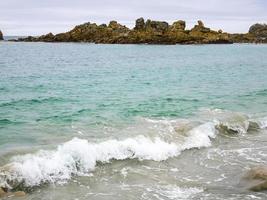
85	121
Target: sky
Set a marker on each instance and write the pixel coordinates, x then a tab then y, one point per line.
36	17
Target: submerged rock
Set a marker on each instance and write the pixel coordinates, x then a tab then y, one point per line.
1	35
5	193
257	178
2	193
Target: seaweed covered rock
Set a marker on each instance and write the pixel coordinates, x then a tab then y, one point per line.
1	35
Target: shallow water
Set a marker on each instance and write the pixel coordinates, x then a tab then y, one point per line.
132	121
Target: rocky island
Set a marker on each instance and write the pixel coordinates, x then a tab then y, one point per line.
152	32
1	36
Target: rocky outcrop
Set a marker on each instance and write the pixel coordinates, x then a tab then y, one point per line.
144	32
257	34
1	36
259	31
152	32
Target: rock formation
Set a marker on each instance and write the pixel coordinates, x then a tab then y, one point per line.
257	34
144	32
152	32
259	31
1	35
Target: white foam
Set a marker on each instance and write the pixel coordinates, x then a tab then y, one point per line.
262	122
78	156
173	192
200	136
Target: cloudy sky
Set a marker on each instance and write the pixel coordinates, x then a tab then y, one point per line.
35	17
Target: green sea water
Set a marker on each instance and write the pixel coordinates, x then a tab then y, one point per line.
51	93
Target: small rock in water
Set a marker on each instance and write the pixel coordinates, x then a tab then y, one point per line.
19	194
5	193
2	193
257	178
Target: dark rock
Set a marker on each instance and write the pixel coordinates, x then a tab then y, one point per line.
140	24
1	36
259	31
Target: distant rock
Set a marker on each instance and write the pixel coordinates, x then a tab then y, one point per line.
200	28
257	34
1	35
144	32
259	31
178	25
140	24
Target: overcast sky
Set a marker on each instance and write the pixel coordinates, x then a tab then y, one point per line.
35	17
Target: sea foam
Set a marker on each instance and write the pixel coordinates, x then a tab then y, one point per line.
79	156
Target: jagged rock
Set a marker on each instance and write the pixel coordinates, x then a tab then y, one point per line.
200	28
178	25
140	24
200	23
157	25
1	36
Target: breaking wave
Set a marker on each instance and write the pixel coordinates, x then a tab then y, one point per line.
80	156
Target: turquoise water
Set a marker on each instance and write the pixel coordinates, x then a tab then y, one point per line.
53	92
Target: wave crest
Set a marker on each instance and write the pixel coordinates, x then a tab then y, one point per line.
79	156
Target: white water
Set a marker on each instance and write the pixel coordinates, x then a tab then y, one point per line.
79	156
